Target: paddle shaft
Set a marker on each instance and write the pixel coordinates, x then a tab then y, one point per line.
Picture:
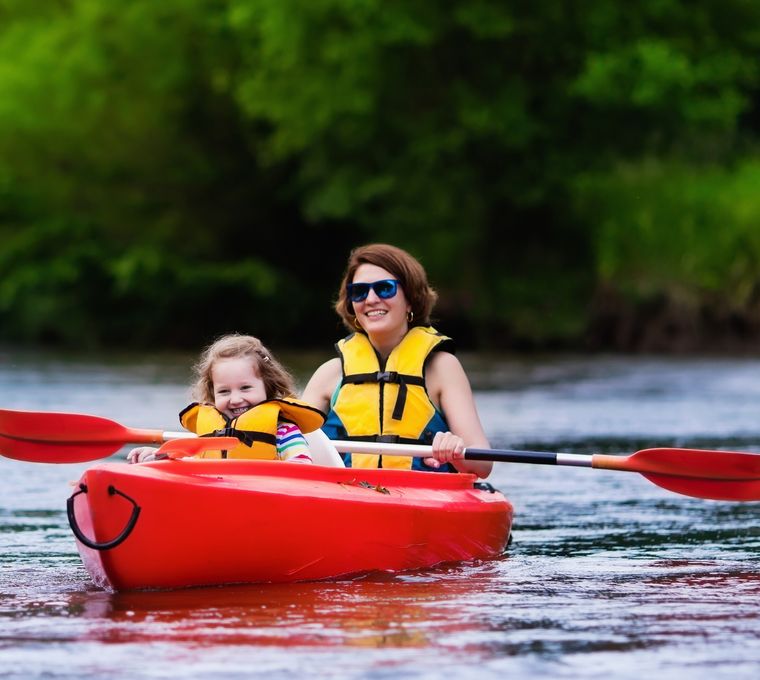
599	461
684	463
495	455
129	435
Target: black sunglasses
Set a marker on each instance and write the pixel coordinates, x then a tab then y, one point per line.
384	289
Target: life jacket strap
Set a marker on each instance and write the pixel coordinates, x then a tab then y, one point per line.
247	437
389	377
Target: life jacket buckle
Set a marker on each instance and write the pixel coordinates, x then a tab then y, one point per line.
387	376
387	439
241	435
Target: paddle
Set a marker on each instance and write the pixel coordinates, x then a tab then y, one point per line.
75	438
38	437
716	475
69	437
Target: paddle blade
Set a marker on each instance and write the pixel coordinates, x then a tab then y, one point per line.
694	463
60	452
711	489
183	448
717	475
60	427
65	437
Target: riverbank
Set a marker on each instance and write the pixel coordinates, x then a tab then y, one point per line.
674	325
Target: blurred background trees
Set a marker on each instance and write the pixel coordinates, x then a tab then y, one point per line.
570	177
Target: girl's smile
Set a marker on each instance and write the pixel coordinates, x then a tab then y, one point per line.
237	386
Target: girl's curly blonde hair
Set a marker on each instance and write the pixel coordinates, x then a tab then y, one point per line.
278	382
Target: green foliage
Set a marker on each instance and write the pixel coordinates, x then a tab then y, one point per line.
380	103
49	282
686	230
159	160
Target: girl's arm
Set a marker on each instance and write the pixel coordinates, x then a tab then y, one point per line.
142	454
291	444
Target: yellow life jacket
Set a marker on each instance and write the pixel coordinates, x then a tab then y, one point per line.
256	428
387	403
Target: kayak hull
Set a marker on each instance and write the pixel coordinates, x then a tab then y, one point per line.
182	523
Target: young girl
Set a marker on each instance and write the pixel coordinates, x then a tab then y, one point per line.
243	391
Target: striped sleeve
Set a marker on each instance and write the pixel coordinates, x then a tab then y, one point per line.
291	444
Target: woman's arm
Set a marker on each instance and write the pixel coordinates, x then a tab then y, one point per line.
321	385
450	390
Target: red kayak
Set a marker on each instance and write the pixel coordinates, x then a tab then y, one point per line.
194	522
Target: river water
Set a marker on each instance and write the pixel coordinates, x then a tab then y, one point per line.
608	575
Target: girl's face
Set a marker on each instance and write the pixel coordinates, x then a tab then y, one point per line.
237	386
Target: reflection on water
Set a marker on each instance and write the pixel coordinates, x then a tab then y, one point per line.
383	612
608	575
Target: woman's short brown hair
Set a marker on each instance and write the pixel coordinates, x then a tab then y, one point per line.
407	269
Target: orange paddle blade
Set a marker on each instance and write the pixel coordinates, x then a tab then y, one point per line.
711	489
689	463
65	437
182	448
59	452
70	427
701	473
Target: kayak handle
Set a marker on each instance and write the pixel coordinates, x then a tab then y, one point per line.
106	545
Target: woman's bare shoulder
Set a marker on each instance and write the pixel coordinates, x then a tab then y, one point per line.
330	368
443	364
322	383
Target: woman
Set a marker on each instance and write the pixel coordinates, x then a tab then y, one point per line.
396	378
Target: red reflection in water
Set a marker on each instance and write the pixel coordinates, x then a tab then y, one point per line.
374	613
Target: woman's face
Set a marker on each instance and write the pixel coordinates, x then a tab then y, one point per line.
377	314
